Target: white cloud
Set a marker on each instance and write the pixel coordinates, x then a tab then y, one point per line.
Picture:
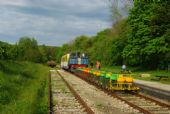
52	22
14	2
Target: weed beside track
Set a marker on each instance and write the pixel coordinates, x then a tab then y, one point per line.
23	88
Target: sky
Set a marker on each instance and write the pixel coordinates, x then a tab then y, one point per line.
52	22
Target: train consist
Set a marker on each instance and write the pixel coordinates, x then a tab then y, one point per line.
74	60
77	63
108	80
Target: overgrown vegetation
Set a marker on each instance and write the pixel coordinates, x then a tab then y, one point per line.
23	88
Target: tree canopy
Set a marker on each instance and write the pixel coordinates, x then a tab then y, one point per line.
27	49
143	39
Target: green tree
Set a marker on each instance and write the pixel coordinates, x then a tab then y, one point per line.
148	34
28	50
3	50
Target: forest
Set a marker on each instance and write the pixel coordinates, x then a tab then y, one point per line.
27	49
141	39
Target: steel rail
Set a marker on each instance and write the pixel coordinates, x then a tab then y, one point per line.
153	100
77	96
50	104
127	102
132	105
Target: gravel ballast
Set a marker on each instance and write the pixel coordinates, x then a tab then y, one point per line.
100	102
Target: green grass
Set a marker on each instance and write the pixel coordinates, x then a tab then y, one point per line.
136	72
23	88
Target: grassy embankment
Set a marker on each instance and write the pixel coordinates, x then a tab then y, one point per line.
23	88
136	72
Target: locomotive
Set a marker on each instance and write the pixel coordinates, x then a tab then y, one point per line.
74	60
77	63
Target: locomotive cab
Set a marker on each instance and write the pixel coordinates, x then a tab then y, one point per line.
74	60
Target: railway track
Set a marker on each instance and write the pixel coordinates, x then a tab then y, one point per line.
144	104
65	98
